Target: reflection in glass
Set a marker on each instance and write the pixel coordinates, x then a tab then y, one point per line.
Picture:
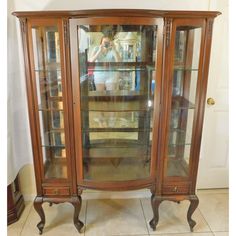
55	162
117	81
185	75
46	48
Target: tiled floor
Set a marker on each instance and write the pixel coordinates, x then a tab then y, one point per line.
129	217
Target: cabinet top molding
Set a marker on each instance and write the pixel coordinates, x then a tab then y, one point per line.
117	12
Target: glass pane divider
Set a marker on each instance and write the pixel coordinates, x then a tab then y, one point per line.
178	144
49	109
185	69
116	130
53	146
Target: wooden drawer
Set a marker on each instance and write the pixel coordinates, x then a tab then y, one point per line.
175	189
56	191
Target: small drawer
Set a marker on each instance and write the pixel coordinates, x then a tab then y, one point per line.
175	189
61	191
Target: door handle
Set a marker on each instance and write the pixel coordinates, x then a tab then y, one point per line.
211	101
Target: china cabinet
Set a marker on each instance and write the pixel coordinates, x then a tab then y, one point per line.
129	118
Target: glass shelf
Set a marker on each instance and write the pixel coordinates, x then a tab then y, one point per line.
178	137
178	152
55	118
121	64
177	167
53	146
49	75
134	103
118	95
116	143
49	109
47	70
137	152
112	106
114	169
56	168
113	135
96	120
179	102
180	144
185	69
116	130
54	98
49	67
114	69
54	138
53	105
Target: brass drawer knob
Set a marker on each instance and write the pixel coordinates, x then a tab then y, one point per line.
211	101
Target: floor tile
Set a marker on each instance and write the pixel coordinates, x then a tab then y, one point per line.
173	218
214	208
16	228
115	217
221	233
213	191
129	235
59	220
189	234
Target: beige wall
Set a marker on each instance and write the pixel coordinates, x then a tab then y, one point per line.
27	182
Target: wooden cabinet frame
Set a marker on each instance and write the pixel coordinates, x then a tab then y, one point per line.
175	188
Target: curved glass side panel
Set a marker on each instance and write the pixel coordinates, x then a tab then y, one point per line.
184	84
48	80
117	81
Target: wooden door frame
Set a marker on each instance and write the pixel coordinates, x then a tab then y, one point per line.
34	119
172	24
114	185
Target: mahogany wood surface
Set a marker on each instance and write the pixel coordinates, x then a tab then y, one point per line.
15	202
178	187
118	12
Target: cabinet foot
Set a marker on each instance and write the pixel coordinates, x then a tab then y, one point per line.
194	201
155	201
38	207
77	202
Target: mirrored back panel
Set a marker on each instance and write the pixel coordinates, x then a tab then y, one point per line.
117	82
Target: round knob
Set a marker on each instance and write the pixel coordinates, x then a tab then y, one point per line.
211	101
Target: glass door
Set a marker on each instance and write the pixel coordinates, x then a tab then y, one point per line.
186	77
117	81
48	82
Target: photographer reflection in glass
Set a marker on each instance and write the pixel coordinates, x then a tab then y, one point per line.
104	77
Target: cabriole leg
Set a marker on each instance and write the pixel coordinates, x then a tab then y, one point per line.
38	207
155	201
77	202
194	201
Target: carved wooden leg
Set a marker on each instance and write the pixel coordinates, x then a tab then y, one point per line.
192	207
77	202
156	201
38	207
